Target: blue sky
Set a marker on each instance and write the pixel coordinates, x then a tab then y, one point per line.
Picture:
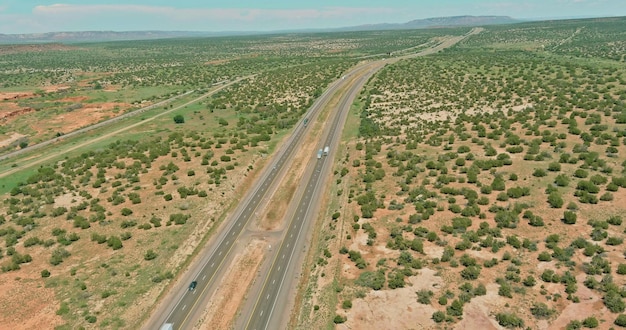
34	16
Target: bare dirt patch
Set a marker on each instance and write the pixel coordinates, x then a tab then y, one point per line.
25	304
89	114
272	219
14	137
395	309
222	309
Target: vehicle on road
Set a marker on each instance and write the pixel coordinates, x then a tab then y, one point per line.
306	121
326	150
192	285
167	326
320	153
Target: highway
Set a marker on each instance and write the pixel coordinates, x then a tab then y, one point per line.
179	315
266	302
274	292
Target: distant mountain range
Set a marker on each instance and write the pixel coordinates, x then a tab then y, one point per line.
436	22
95	36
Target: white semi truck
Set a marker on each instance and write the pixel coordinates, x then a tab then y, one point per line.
326	150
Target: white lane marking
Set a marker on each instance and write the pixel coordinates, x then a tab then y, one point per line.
283	256
212	264
268	297
273	281
203	277
184	307
261	314
279	267
220	253
232	234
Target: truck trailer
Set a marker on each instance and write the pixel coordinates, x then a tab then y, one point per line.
326	150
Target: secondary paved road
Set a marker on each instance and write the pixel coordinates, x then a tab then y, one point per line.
37	161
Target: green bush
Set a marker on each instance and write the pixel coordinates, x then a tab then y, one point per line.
555	200
115	243
438	316
591	322
569	217
373	280
620	320
541	311
423	296
339	319
509	320
179	119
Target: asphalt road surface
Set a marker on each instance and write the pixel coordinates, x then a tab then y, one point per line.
274	296
273	293
179	316
265	305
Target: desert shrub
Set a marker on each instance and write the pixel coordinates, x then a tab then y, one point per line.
554	167
620	320
373	280
561	180
541	311
114	242
150	255
179	218
179	119
569	217
613	301
423	296
440	316
555	200
509	320
590	322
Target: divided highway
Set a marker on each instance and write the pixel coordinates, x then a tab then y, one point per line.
271	304
179	317
266	302
274	294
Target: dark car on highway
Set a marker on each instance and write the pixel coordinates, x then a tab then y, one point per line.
193	285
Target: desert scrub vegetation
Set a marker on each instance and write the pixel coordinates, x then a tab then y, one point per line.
498	166
135	200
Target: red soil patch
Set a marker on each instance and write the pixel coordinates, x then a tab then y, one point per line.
25	303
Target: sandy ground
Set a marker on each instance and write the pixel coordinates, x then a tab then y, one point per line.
395	309
221	310
14	137
24	303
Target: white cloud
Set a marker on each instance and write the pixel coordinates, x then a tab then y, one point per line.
246	14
